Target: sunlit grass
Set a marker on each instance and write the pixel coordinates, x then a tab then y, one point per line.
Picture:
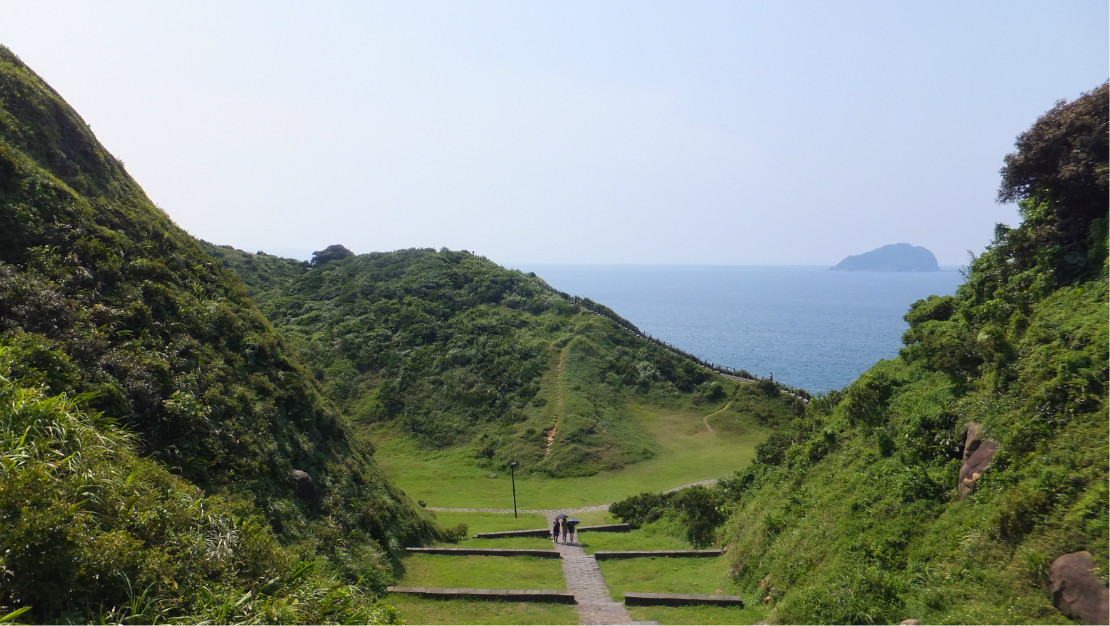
698	575
647	538
696	614
481	522
687	452
484	572
668	575
415	610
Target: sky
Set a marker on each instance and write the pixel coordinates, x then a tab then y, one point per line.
572	132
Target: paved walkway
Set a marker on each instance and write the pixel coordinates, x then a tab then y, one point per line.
584	580
580	571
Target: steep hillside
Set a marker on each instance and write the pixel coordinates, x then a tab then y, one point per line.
966	481
159	374
461	352
945	485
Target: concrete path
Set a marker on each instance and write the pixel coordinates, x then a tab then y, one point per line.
584	580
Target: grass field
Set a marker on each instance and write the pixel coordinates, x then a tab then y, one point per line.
478	522
681	575
687	452
481	572
668	575
416	610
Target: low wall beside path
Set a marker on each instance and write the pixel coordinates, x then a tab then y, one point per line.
635	554
546	532
543	554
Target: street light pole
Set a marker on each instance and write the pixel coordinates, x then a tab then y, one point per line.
512	470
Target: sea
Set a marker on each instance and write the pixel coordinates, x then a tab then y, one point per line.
810	327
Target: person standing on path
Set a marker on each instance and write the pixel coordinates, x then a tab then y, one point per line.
555	532
571	524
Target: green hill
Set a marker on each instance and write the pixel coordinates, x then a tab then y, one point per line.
944	484
457	352
163	454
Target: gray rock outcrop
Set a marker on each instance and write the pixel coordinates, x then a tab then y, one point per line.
1076	591
978	454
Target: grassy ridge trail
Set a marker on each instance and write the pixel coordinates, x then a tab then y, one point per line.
560	402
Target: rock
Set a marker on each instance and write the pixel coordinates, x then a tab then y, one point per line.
910	622
978	454
302	484
1076	591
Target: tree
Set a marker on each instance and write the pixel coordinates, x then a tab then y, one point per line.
1061	164
333	252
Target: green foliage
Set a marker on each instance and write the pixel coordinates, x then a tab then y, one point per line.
105	302
94	531
853	515
1061	161
698	510
460	352
640	509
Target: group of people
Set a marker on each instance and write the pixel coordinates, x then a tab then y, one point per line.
565	527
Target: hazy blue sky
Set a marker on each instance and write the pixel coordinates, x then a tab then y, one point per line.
587	132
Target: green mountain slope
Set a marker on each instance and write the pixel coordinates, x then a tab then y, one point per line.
865	510
461	352
174	381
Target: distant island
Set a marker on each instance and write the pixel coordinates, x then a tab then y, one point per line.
898	257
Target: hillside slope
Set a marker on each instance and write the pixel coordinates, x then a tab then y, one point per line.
157	359
461	352
944	484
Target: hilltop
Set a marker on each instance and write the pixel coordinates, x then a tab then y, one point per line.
964	481
164	454
455	351
898	257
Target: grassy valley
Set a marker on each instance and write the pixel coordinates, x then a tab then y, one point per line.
455	366
194	433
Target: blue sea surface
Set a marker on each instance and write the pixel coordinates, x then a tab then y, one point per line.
813	328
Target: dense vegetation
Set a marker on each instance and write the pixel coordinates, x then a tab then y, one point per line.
851	514
462	352
164	455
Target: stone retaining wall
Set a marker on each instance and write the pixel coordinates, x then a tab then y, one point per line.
678	599
515	595
543	554
633	554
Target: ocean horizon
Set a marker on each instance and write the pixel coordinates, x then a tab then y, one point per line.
807	325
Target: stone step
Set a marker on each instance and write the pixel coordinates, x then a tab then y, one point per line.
601	555
517	595
678	599
543	554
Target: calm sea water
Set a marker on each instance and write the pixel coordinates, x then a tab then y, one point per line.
813	328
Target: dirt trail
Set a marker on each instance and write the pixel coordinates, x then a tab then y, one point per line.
560	402
724	408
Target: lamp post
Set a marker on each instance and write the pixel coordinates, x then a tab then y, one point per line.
512	470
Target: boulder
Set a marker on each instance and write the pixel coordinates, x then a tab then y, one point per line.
978	454
1076	591
302	484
